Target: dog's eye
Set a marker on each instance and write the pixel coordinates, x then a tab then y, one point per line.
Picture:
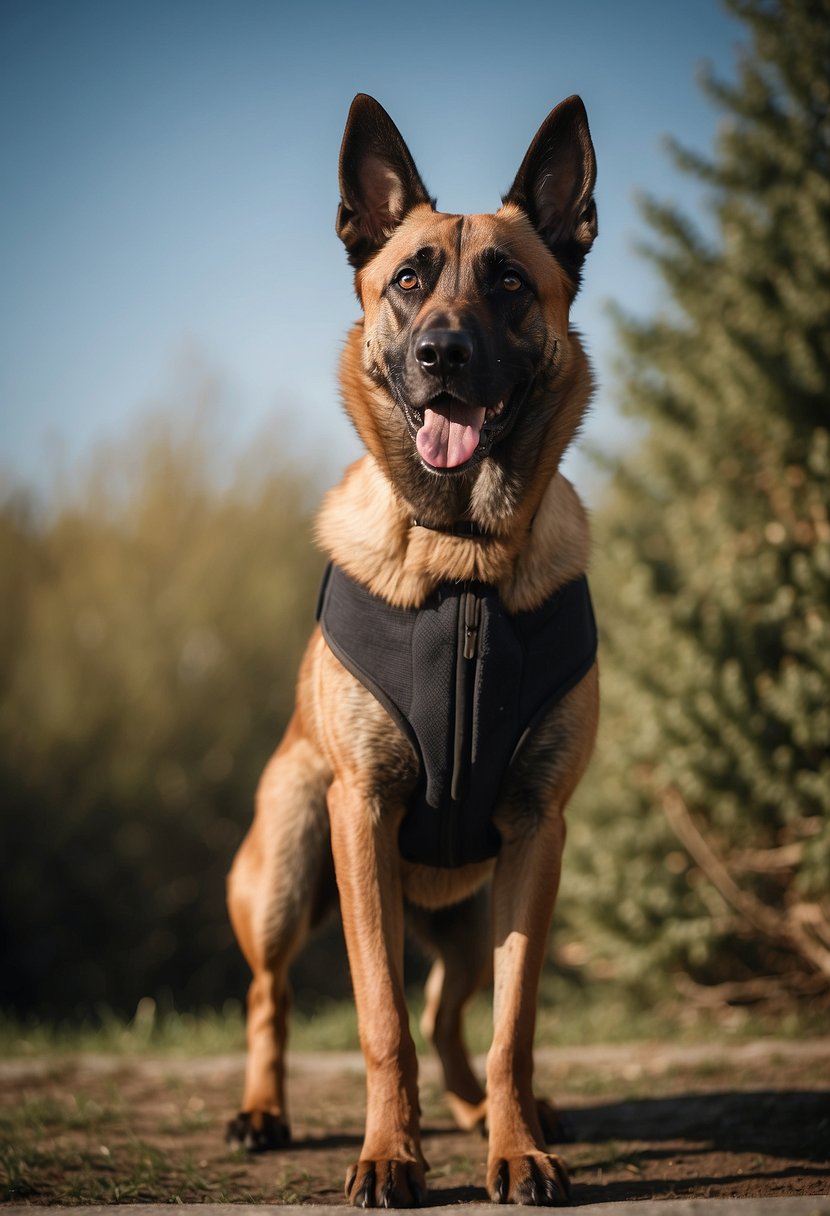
510	281
407	279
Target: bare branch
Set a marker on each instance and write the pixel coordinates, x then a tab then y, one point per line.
765	861
780	928
775	989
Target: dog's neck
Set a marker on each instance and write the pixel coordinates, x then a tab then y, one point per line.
370	532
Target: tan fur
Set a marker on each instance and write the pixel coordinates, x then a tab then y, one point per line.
324	779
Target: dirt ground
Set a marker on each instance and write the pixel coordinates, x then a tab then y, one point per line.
649	1121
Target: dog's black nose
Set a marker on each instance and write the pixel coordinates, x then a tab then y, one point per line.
443	352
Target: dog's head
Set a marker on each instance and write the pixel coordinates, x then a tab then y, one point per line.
463	372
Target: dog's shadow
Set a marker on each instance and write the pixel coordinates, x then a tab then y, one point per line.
732	1129
331	1140
723	1139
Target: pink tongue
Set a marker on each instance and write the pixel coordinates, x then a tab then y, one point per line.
450	434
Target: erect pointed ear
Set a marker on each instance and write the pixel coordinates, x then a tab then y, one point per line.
555	185
379	183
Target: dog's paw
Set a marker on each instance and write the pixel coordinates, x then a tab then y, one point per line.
385	1184
556	1128
257	1132
535	1178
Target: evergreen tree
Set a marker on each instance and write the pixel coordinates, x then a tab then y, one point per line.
702	846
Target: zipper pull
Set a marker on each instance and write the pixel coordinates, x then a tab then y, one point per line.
472	613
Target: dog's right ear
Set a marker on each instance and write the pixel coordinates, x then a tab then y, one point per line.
379	183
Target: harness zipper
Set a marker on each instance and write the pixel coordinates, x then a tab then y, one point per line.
469	618
472	613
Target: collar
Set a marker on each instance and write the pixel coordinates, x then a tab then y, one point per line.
462	527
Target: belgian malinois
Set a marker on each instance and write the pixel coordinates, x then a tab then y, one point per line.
447	703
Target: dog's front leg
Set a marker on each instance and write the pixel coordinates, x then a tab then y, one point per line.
390	1172
524	891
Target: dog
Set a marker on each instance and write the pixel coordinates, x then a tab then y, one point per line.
447	702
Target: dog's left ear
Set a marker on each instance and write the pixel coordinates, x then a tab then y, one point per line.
555	185
379	183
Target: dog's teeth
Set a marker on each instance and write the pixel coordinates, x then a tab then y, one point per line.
495	410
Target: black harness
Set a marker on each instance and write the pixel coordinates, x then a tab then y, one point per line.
467	684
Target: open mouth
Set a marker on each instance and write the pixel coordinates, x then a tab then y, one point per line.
450	434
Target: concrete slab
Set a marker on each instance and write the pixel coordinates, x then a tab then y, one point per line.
811	1205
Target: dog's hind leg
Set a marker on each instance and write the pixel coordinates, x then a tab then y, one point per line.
460	937
273	887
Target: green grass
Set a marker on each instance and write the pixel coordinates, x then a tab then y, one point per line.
332	1027
48	1116
75	1149
133	1172
208	1032
567	1017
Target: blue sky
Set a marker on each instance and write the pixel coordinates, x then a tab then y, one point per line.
168	187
